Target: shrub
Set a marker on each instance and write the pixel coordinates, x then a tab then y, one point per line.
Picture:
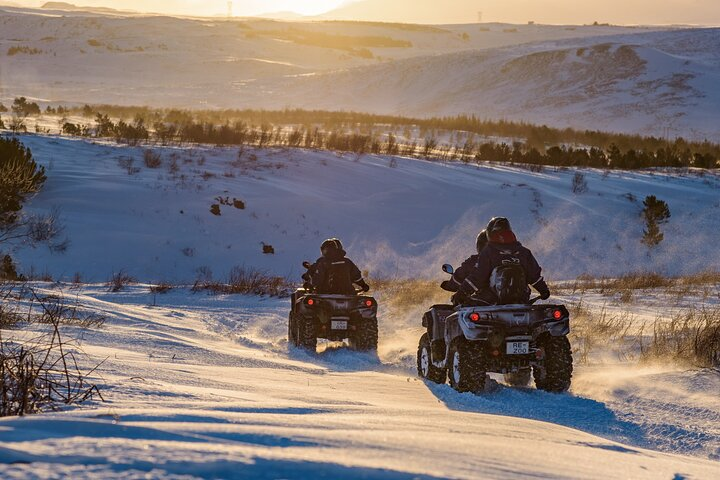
655	213
20	177
579	184
118	281
8	270
22	108
152	159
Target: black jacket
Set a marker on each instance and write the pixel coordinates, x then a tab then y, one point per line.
475	277
458	278
335	275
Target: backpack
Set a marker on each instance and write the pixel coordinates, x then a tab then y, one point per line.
509	283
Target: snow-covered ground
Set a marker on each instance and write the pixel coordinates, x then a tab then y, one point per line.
206	386
200	386
397	218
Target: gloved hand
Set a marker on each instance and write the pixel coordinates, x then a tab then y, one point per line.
542	289
307	286
448	286
364	287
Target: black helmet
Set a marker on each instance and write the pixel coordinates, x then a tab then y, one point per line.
499	231
498	224
482	241
330	246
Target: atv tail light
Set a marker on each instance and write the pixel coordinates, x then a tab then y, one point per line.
310	302
368	303
557	315
474	317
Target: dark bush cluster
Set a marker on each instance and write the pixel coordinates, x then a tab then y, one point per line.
354	132
20	177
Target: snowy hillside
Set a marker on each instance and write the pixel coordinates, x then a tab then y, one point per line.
398	217
205	387
661	83
491	70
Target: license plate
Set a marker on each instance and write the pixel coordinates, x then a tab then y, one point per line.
518	348
339	324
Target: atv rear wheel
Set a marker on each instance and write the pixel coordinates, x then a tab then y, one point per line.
305	336
466	366
365	338
521	378
292	339
555	372
425	367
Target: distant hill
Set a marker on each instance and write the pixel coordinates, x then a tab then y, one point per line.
75	8
282	16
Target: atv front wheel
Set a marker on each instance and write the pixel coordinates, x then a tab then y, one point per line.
305	336
365	338
521	378
555	372
425	367
466	366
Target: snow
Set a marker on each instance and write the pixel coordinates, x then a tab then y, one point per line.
404	221
204	386
476	69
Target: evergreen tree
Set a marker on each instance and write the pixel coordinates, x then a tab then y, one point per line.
20	177
655	213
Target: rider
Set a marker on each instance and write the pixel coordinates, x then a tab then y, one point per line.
333	273
503	270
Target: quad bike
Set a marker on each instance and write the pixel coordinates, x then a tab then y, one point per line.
333	317
519	341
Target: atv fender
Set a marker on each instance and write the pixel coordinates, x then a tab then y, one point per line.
560	328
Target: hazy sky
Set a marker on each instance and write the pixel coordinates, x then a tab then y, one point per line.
705	12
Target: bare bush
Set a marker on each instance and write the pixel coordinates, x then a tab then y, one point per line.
42	374
579	183
119	281
127	163
152	159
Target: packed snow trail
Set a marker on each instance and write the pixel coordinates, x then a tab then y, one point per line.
204	387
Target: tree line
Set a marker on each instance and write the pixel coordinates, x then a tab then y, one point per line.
183	129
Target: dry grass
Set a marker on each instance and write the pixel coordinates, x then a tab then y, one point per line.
592	331
403	294
625	288
691	338
245	281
